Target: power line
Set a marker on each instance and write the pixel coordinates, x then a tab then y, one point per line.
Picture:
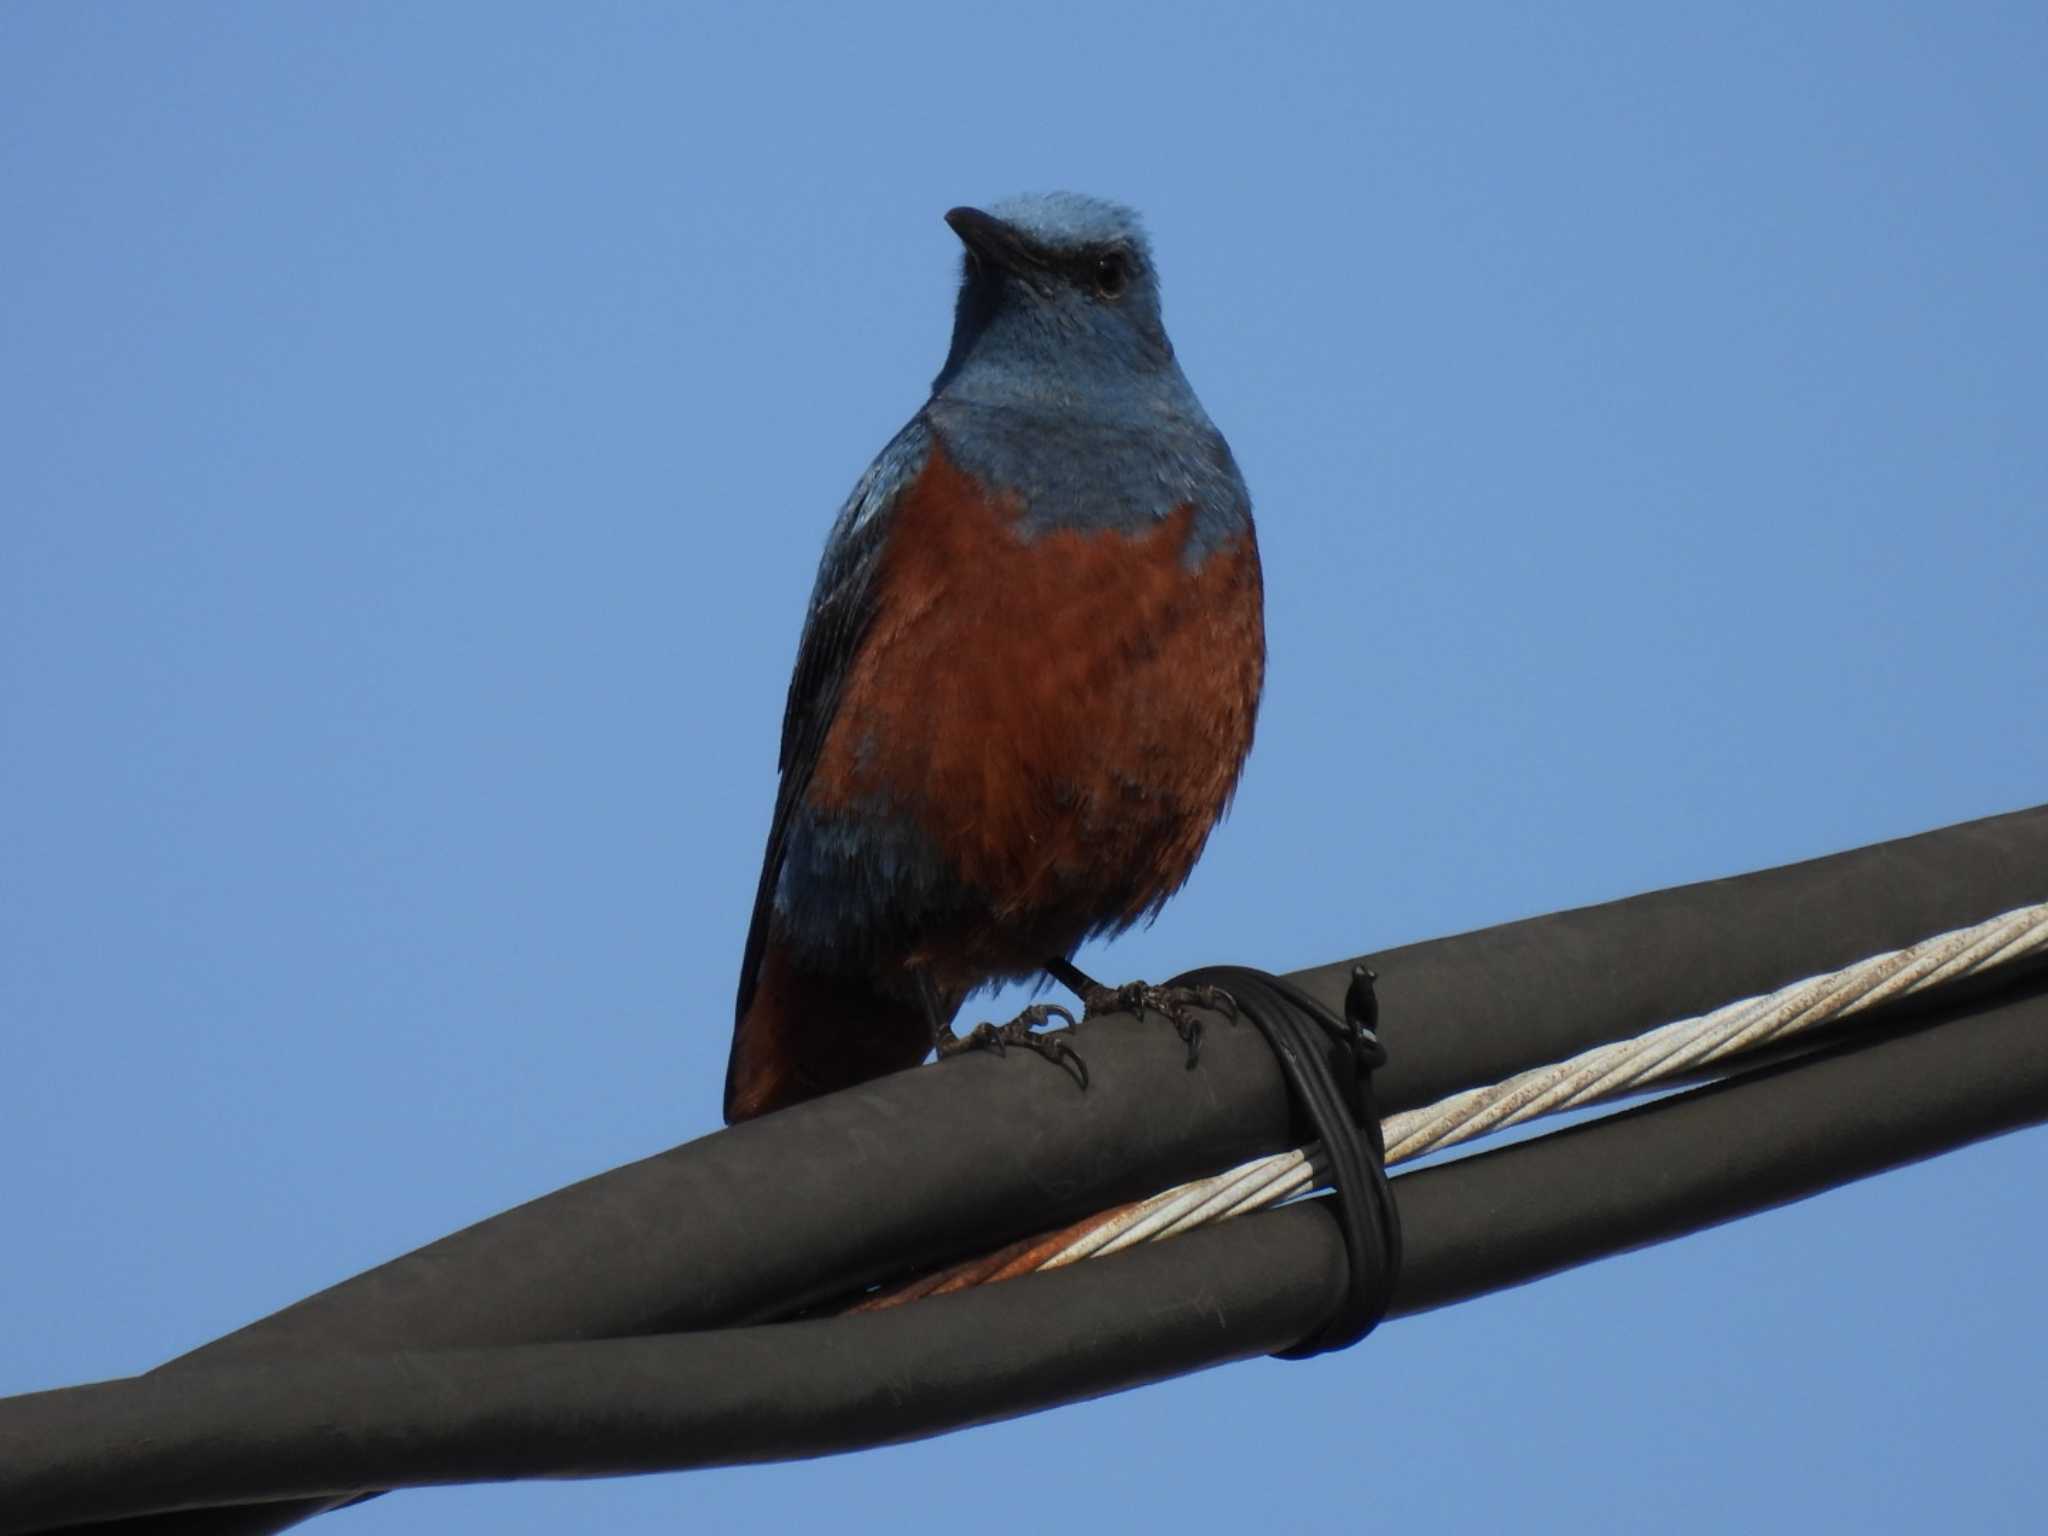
459	1360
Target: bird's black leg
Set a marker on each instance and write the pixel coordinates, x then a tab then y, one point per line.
1141	997
1022	1031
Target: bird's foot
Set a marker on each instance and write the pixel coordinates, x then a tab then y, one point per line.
1141	997
1022	1032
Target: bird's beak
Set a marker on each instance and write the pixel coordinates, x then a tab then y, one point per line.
991	240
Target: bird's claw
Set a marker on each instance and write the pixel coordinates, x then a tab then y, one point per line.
1022	1031
1176	1002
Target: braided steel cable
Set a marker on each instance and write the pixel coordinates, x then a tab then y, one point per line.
1592	1077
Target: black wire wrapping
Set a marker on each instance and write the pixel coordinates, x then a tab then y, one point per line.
1328	1063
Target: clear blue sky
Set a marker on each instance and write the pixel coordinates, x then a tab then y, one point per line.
417	426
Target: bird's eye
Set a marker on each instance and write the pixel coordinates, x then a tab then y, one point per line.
1112	274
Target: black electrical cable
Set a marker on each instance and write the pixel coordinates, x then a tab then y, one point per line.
769	1217
1945	1074
1329	1063
809	1222
279	1427
1479	1007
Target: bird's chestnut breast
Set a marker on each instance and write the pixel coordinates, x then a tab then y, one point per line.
1063	715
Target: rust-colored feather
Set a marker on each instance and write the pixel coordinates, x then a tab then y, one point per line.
1065	716
805	1035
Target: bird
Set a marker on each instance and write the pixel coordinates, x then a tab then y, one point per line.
1028	676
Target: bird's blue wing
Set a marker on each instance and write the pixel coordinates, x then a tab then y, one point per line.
842	607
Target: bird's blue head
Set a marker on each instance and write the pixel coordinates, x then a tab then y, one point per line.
1059	306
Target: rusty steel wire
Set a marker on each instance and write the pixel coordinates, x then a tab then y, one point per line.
1593	1077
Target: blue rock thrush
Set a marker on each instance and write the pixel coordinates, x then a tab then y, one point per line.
1027	680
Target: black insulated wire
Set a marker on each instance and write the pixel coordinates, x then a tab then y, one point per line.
1328	1063
911	1171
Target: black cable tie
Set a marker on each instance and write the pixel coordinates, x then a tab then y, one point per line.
1328	1063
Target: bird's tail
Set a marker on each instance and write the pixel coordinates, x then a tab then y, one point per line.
803	1035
